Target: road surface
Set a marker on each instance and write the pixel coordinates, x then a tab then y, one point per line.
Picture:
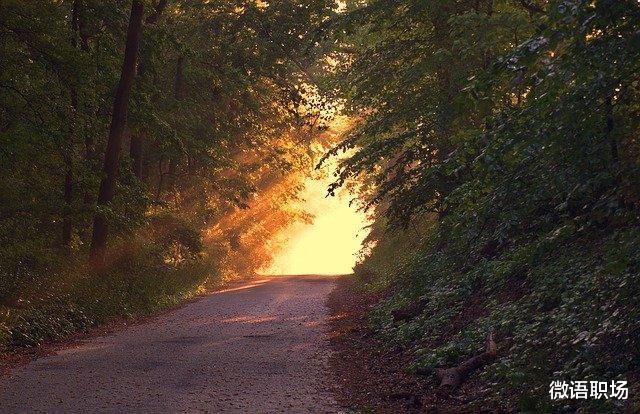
258	348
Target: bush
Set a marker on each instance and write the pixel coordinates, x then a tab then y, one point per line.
565	304
50	301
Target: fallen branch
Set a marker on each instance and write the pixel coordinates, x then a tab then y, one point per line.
452	378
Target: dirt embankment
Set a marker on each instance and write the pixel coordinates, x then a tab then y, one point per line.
369	376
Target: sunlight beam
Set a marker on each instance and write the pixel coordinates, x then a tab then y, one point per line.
328	245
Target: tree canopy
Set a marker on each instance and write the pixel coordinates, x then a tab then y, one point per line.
497	146
495	143
215	82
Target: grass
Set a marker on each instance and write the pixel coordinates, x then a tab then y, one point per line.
48	297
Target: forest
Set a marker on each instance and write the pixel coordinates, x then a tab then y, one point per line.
134	136
150	149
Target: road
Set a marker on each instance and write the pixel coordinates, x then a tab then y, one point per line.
256	348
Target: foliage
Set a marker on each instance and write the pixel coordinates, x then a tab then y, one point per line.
217	82
57	299
222	109
533	298
504	132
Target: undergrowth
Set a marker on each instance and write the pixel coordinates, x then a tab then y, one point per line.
48	295
563	306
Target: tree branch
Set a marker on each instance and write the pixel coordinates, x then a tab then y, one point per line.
157	12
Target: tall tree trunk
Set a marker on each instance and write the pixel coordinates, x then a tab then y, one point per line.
135	152
160	180
67	225
89	153
78	25
135	143
609	132
116	130
178	82
82	41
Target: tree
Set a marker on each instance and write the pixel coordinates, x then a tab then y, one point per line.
116	130
235	67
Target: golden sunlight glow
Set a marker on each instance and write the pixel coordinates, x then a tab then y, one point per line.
330	242
328	245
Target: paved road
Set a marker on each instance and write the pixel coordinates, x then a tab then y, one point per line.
252	349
